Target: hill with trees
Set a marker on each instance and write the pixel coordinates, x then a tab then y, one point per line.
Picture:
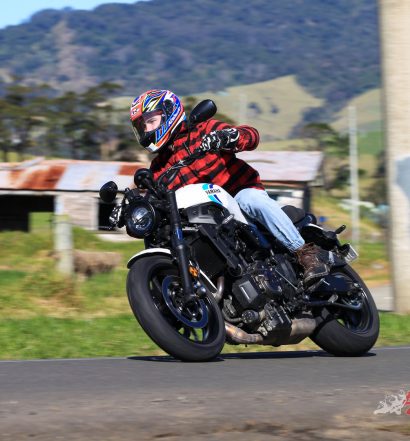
331	47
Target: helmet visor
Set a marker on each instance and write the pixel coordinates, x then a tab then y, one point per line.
147	123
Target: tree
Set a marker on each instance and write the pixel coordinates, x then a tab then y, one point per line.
20	114
78	124
333	145
378	191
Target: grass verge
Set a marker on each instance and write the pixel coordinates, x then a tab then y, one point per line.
45	315
121	336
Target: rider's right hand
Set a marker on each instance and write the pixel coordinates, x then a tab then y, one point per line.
225	139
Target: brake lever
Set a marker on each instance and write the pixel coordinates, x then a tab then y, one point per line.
115	216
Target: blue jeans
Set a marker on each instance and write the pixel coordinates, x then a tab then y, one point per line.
258	205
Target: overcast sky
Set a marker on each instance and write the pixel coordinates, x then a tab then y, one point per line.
18	11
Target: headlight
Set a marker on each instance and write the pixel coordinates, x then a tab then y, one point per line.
141	219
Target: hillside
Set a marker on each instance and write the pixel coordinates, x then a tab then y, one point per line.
331	48
274	107
277	106
368	110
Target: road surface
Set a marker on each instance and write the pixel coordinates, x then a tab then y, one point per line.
304	395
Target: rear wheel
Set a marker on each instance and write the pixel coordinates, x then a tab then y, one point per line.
348	332
193	332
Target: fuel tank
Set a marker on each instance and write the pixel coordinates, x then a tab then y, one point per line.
195	194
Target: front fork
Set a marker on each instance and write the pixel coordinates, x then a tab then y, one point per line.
180	248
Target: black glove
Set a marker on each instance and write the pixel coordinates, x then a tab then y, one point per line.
225	139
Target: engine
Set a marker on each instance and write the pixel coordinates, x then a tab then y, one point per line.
257	286
257	298
259	283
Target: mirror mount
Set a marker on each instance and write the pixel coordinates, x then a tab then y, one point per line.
203	111
143	179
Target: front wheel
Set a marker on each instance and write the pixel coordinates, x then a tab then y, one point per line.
346	332
193	332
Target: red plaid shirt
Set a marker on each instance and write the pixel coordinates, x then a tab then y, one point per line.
224	169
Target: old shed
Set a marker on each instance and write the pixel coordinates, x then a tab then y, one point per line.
59	186
71	187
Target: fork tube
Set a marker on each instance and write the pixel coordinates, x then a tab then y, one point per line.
180	247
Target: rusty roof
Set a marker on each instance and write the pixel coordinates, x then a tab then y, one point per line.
284	166
73	175
65	174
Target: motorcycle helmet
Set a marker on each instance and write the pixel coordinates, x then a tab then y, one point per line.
156	117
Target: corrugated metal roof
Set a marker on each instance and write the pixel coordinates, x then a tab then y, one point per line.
65	175
284	166
71	175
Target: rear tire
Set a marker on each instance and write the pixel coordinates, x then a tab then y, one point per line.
144	288
348	333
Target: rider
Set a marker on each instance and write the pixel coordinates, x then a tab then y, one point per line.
159	123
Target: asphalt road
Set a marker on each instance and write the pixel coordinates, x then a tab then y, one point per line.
269	396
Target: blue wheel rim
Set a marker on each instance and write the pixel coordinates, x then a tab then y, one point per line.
192	323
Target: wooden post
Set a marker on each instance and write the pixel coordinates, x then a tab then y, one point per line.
395	43
63	239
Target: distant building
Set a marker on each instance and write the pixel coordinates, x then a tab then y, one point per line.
59	186
287	176
71	187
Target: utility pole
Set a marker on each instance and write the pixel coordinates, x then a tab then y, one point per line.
354	177
395	43
243	104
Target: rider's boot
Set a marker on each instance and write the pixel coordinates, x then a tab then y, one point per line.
314	262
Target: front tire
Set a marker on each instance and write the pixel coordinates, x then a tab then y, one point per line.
348	333
145	284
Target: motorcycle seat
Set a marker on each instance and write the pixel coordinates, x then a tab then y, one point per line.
295	214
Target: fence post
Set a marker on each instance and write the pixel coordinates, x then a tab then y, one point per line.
63	239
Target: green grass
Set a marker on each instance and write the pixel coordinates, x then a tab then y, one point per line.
41	221
121	336
48	337
372	265
394	329
46	315
30	285
371	143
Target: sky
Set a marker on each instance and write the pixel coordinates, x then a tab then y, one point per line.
21	10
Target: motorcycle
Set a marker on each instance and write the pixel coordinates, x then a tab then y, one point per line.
209	275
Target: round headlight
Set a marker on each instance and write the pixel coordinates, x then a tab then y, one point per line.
140	220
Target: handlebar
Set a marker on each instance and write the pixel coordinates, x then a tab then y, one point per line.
116	218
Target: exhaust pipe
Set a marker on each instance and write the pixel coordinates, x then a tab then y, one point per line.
239	336
220	288
301	328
